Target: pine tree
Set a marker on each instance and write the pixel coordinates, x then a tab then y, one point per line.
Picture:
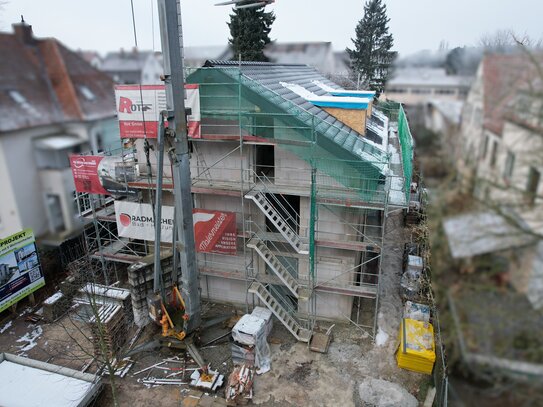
250	29
372	56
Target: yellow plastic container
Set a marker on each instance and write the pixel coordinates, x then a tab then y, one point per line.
416	351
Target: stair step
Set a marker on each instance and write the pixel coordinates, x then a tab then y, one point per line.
300	333
271	213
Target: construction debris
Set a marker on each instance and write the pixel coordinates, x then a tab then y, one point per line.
266	315
250	346
418	312
239	388
55	306
108	326
210	380
320	342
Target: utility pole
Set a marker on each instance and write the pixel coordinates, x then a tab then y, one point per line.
172	50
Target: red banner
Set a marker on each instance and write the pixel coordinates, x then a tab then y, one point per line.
215	232
104	175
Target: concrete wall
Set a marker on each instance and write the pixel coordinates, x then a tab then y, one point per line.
61	183
10	221
334	306
221	289
23	173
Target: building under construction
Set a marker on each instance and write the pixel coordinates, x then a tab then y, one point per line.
311	172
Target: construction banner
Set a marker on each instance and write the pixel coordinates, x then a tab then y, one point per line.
104	175
139	107
20	271
214	231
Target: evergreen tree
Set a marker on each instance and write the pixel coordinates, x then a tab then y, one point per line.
250	29
372	56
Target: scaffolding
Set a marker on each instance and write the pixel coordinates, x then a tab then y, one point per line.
311	227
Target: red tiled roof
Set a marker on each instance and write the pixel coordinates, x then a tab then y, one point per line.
47	80
503	76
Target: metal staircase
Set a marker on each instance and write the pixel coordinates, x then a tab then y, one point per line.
300	333
260	199
278	268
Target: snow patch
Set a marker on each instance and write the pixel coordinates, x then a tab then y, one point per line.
381	338
54	298
31	338
6	327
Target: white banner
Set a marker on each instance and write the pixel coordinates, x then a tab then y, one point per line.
214	231
136	103
136	221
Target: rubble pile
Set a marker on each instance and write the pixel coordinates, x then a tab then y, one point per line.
239	388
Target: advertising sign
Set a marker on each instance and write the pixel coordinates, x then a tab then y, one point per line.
214	231
20	271
139	107
104	175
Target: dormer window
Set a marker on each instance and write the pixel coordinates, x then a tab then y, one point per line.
18	98
87	93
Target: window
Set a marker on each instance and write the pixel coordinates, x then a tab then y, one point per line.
17	97
397	90
288	207
494	154
445	92
478	117
485	147
56	219
265	161
533	184
87	93
509	165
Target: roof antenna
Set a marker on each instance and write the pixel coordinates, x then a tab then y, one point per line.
22	19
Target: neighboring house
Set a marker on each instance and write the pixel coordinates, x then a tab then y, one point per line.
415	86
195	57
52	103
318	55
311	177
133	67
499	157
444	117
92	57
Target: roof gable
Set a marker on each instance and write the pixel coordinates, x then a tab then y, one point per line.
40	85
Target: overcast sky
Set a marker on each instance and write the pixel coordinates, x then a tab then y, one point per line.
104	25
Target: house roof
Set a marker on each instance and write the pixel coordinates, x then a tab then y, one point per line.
316	54
42	83
125	61
274	76
473	234
426	77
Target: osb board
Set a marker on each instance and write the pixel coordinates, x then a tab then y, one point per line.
354	118
319	342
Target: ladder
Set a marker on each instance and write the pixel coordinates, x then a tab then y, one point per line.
201	164
300	333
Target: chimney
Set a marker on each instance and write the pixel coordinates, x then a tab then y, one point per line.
23	32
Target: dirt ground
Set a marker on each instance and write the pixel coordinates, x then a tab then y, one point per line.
298	377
